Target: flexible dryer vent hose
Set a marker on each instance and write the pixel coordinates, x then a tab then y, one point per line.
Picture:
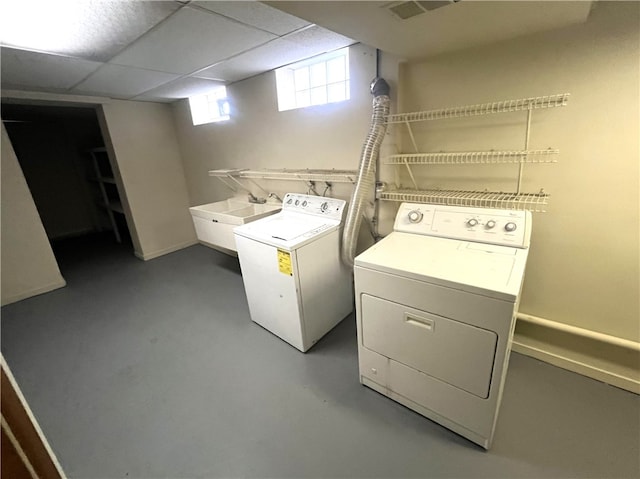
366	173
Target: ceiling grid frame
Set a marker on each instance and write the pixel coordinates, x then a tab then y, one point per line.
289	32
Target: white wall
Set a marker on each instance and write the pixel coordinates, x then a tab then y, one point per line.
583	266
142	145
28	264
258	136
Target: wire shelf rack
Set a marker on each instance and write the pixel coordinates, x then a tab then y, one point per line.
534	202
332	175
504	106
233	178
475	157
226	173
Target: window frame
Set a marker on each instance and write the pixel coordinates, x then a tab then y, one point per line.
291	97
212	107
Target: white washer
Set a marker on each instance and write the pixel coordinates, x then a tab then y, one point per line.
296	285
435	306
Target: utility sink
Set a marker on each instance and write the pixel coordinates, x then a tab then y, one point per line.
234	211
214	222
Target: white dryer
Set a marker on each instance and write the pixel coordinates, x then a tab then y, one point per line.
435	305
296	285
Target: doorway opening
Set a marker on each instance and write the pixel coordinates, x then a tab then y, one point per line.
61	152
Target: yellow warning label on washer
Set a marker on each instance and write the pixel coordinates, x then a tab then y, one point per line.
284	262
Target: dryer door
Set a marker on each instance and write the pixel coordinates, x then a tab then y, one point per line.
453	352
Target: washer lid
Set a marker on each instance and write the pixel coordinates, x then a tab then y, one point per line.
287	230
490	270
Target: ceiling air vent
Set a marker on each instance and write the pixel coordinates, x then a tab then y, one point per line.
405	10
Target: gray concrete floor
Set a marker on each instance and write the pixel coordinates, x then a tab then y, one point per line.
154	369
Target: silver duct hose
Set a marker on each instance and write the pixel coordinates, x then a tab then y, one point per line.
366	173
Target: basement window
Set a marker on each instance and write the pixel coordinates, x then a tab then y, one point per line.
320	80
209	108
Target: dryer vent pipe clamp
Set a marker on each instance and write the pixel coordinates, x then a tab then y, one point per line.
366	172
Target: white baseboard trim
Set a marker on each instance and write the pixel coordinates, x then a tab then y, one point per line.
219	248
609	377
162	252
60	283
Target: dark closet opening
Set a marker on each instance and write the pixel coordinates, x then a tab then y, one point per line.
61	153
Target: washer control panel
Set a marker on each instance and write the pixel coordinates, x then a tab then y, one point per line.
484	225
331	208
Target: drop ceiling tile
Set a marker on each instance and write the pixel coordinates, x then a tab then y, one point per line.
319	39
121	82
41	71
92	30
181	88
283	51
261	59
189	40
256	14
461	25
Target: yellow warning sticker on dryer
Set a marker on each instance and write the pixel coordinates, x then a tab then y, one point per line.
284	262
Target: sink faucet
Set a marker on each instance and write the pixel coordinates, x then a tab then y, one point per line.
273	195
254	199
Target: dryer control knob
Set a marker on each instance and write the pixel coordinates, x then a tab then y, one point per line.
472	222
324	206
415	216
490	224
510	226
